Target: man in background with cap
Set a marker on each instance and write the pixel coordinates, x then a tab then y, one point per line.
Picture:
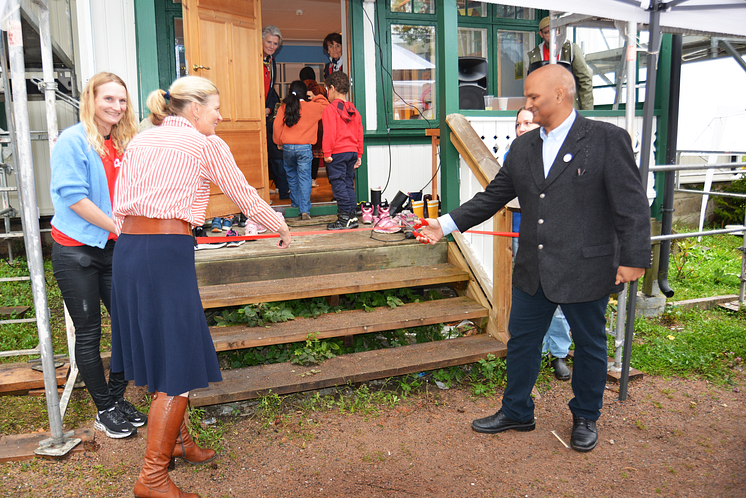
572	55
585	230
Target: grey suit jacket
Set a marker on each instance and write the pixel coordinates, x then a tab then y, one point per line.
578	225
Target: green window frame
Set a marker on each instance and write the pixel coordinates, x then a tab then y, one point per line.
495	21
414	96
492	19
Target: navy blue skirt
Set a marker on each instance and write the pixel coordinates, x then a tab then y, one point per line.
159	335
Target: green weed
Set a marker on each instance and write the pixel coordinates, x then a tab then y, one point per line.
209	436
487	375
269	408
314	351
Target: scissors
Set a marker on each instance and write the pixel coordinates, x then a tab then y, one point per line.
421	223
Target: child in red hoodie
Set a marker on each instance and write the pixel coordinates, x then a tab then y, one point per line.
343	149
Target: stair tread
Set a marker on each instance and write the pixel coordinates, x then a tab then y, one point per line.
19	377
312	255
283	378
348	323
216	296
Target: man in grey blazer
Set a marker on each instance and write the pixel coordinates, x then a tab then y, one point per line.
585	230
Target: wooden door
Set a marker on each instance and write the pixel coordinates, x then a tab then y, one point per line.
223	44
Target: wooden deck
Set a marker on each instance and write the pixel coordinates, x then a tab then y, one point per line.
309	255
332	264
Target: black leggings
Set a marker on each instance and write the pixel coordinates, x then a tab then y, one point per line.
83	274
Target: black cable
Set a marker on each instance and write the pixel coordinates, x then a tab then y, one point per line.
384	71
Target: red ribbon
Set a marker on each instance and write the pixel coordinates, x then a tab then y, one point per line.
210	240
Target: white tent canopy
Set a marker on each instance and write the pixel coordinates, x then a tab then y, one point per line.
722	17
402	58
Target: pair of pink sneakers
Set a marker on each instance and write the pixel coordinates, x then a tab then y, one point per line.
253	228
384	223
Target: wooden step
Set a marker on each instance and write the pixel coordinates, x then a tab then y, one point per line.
220	296
283	378
313	255
349	323
19	447
20	377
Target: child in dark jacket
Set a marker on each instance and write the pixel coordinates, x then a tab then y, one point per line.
343	148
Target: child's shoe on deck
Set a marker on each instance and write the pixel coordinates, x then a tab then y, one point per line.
367	209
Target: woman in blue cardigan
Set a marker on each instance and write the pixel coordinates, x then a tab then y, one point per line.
84	167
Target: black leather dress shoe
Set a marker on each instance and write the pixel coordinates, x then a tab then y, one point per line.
561	371
584	434
499	422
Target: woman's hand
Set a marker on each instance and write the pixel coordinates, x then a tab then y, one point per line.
284	232
267	111
86	209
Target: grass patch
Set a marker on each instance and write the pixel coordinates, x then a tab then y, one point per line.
16	336
707	268
706	344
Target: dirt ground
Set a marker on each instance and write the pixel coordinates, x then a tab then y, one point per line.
671	437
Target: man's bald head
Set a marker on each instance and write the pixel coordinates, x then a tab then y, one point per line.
550	95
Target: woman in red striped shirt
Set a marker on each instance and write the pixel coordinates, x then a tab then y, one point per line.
159	333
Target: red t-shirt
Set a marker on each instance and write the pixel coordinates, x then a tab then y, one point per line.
267	75
545	52
111	168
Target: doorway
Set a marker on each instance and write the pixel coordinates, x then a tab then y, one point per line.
304	25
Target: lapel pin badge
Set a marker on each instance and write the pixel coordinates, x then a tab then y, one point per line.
567	158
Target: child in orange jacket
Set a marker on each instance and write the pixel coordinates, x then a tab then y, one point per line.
295	129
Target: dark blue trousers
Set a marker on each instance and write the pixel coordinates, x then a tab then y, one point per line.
341	173
530	317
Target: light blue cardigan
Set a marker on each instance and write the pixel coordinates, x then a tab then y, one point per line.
77	173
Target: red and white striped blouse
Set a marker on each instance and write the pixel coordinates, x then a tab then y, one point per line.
166	174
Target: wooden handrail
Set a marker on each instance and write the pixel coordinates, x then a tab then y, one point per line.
484	166
471	147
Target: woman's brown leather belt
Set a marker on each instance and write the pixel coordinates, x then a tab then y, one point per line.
140	225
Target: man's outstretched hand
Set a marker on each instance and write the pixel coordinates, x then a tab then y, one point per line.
626	274
428	231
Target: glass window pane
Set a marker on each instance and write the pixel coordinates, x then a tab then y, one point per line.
469	8
472	42
413	6
524	13
413	69
181	69
473	67
512	49
505	11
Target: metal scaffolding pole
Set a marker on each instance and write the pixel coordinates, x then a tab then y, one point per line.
49	87
47	67
58	444
647	146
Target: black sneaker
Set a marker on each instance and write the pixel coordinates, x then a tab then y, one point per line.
200	231
114	424
130	413
344	221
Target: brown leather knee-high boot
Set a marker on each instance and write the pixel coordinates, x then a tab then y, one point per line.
164	420
188	450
